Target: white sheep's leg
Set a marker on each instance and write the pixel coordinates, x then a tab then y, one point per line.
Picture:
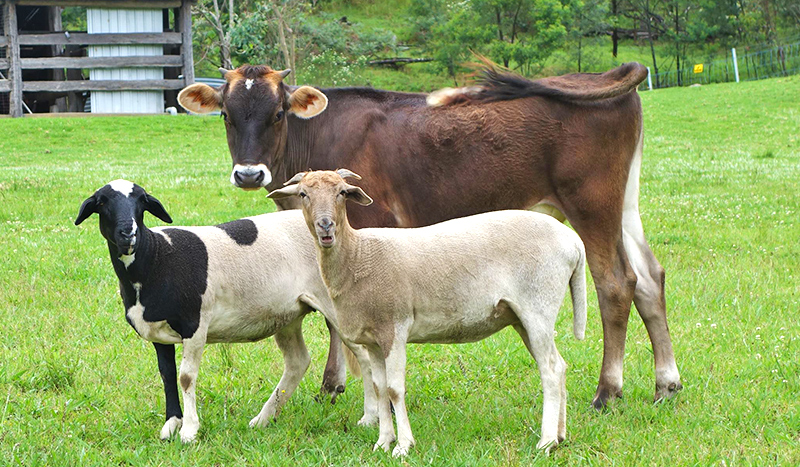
396	385
295	363
370	398
552	371
190	367
386	428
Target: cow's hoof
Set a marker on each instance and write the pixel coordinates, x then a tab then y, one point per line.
667	391
603	396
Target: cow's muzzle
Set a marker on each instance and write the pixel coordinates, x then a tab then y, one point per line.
251	177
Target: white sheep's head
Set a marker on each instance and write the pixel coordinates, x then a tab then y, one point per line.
121	205
323	195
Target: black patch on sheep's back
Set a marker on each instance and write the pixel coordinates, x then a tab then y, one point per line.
243	231
175	281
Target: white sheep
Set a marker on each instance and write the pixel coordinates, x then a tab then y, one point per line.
457	281
241	281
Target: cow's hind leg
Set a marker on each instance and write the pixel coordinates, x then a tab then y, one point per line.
649	293
651	304
295	363
615	283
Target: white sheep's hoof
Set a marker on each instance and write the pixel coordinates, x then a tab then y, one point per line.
260	421
400	451
368	420
189	434
170	427
547	445
383	444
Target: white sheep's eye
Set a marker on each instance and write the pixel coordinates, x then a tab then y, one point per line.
302	195
343	193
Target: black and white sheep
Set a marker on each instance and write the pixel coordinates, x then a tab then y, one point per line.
458	281
241	281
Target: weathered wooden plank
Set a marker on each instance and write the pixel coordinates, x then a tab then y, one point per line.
148	4
5	85
3	41
3	64
12	52
82	38
101	62
102	85
186	47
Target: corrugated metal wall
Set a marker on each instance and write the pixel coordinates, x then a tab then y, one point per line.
100	20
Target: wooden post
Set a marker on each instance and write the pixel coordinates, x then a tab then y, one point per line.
14	68
185	23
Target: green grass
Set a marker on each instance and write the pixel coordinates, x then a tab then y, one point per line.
720	204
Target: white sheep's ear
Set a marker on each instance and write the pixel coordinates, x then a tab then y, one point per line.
306	102
200	98
357	195
344	173
296	179
286	192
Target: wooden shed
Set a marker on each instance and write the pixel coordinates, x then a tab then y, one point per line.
137	53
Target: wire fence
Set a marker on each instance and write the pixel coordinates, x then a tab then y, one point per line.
783	60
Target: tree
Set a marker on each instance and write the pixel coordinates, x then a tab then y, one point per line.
221	18
586	21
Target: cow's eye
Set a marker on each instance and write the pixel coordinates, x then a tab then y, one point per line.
224	115
302	195
279	116
343	193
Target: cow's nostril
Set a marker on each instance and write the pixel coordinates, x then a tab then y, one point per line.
238	177
260	177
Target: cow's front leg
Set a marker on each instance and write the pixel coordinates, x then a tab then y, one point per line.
190	367
169	376
334	378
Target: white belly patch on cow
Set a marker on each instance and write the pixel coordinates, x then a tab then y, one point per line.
153	331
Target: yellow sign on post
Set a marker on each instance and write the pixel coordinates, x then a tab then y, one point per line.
698	68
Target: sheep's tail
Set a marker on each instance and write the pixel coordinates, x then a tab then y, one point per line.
351	361
577	286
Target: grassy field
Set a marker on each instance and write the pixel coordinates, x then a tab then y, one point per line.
720	205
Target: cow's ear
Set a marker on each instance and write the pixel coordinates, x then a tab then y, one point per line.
200	98
285	192
307	102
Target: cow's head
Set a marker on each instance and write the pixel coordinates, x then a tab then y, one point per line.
254	103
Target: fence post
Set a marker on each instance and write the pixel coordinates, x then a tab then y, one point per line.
649	80
735	64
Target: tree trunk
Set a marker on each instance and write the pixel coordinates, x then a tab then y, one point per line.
615	29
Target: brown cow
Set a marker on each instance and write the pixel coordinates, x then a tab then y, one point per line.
572	142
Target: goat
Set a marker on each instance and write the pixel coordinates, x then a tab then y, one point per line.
241	281
458	281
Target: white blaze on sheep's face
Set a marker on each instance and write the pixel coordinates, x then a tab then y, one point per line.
123	186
